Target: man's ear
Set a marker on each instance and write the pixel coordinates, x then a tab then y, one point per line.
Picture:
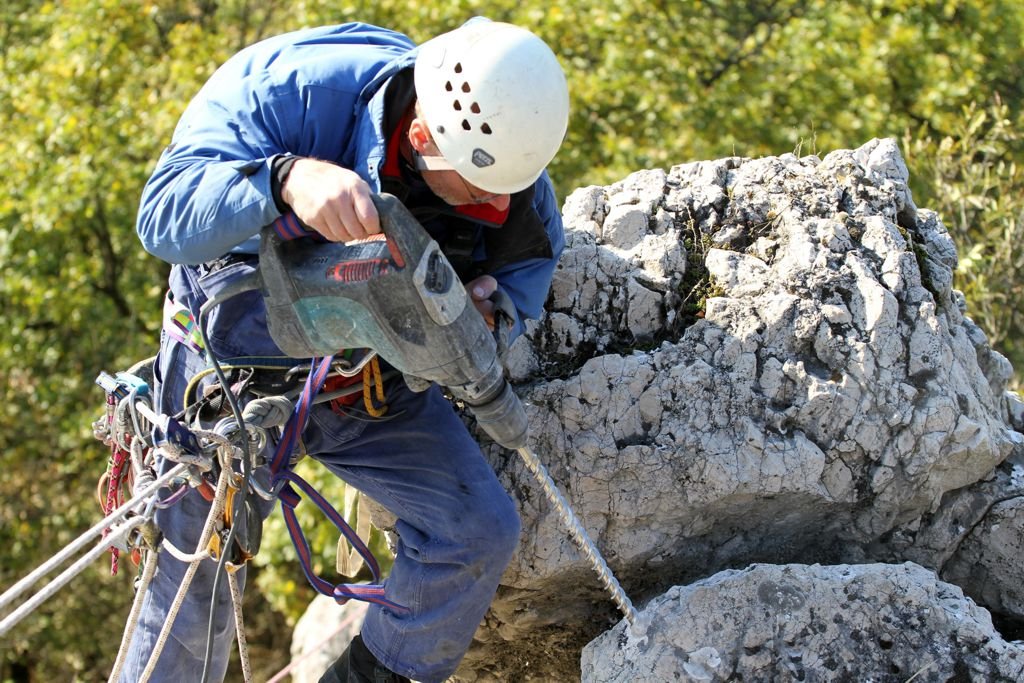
419	135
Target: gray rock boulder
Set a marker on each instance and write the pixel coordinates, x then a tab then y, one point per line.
987	561
820	404
808	623
751	361
321	635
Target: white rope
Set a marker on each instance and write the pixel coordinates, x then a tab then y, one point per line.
216	509
181	555
73	548
71	572
133	617
243	646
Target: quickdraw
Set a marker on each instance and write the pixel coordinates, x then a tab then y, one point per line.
119	433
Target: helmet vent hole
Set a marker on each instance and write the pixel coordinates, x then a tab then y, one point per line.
448	86
458	68
475	108
465	87
457	105
465	125
485	129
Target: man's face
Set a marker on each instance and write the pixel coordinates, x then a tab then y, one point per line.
456	191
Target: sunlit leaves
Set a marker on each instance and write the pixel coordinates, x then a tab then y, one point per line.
974	179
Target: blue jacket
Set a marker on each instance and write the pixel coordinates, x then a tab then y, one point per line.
316	93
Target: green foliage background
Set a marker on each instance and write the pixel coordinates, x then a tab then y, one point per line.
90	91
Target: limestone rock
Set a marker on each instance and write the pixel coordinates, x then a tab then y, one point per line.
808	623
987	562
831	397
321	635
752	361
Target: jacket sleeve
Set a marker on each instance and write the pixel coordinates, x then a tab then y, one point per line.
527	282
291	94
211	188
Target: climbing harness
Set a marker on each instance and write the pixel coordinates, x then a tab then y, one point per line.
218	462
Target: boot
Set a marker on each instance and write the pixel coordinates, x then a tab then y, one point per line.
358	665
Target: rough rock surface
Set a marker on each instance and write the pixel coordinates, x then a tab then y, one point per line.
752	361
323	633
870	622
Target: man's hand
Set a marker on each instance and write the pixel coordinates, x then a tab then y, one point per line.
480	291
332	200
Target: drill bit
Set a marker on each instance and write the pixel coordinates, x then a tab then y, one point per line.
579	534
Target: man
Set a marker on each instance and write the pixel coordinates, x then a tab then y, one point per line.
312	123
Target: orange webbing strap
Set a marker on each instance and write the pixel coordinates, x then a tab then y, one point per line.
371	372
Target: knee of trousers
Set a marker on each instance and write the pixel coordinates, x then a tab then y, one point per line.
482	531
495	528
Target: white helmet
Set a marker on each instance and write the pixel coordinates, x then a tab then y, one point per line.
497	103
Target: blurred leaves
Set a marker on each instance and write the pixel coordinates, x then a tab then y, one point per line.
90	91
974	180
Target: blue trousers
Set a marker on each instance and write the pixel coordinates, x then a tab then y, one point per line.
457	530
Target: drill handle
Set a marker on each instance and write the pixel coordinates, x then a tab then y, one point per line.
397	224
504	319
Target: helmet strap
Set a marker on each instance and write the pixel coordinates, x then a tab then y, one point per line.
430	163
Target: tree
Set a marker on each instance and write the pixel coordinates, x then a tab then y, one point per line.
88	93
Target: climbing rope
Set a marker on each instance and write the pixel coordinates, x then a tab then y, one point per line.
76	546
236	602
202	552
149	569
